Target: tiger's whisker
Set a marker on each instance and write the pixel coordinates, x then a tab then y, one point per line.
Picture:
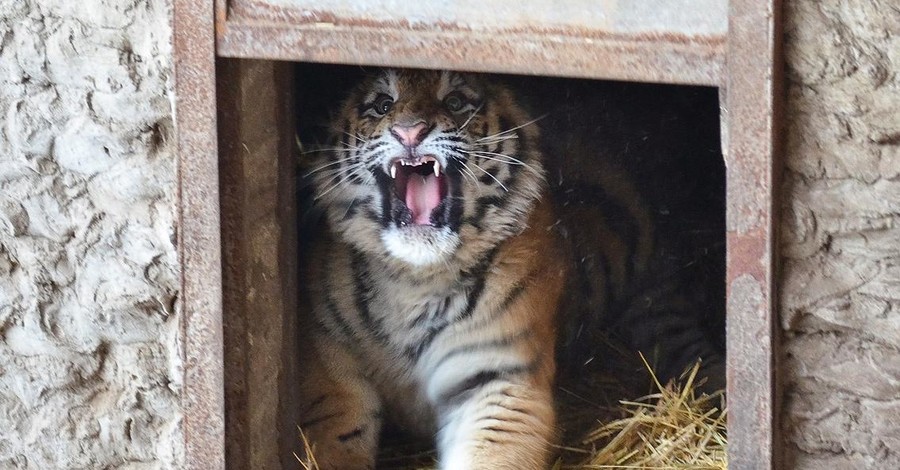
355	136
513	162
486	154
320	168
470	173
492	176
335	185
495	140
510	160
474	113
465	167
512	129
336	171
329	149
337	174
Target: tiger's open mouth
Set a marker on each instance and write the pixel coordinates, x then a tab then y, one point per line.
420	189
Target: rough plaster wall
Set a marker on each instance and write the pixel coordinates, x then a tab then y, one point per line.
841	235
89	367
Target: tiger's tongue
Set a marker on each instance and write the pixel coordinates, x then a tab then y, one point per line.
423	194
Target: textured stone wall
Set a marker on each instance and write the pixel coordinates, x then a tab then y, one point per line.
841	235
89	366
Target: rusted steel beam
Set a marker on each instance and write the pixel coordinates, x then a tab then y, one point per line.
259	261
619	50
698	62
753	99
198	236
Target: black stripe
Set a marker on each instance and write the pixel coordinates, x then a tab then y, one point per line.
496	428
414	352
436	312
479	274
355	178
512	410
439	320
314	404
458	155
354	206
488	178
481	346
354	434
386	187
512	296
504	124
485	201
362	294
372	156
471	383
454	200
503	430
520	154
481	207
372	215
480	379
344	328
449	138
483	126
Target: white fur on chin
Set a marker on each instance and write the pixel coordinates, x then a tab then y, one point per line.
420	245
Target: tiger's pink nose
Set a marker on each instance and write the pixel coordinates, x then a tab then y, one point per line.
410	136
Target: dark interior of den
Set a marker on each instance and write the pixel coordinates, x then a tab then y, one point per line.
637	183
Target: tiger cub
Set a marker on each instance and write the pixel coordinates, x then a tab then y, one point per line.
436	281
452	280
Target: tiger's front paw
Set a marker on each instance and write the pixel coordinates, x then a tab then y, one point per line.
497	456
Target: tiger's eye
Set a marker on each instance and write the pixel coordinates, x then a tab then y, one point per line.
453	102
383	103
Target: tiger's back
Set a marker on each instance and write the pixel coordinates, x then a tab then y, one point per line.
640	196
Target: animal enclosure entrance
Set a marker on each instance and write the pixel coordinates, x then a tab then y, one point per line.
637	181
257	106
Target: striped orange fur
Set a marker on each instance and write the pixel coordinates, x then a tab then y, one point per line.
438	279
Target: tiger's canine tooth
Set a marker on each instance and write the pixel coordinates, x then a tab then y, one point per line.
394	170
437	168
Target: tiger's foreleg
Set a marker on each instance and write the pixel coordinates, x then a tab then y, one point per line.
494	395
499	425
340	412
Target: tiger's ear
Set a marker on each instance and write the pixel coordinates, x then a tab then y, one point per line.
387	78
475	82
457	79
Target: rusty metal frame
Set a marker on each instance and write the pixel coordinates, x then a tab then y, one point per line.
199	242
266	31
752	113
258	197
747	67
